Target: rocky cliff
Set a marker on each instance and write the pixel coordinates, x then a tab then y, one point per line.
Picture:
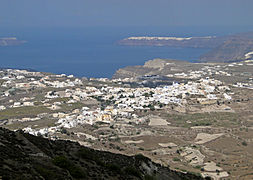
222	49
234	49
23	156
188	42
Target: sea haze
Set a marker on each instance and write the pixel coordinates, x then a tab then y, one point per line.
89	52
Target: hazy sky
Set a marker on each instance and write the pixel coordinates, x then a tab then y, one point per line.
79	13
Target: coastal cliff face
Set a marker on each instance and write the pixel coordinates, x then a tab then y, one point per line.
23	156
232	50
189	42
10	42
222	49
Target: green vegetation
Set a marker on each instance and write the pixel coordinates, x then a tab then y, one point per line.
195	173
103	102
244	143
198	167
149	177
85	154
132	171
148	94
45	172
73	169
150	106
141	157
64	131
88	154
114	167
176	159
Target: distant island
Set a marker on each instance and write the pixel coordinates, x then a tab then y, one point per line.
194	42
222	49
11	41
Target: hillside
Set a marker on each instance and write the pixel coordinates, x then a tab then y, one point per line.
23	156
234	49
160	67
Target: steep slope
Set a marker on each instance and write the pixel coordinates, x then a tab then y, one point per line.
233	49
23	156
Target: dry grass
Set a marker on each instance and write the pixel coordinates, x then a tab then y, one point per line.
20	112
205	119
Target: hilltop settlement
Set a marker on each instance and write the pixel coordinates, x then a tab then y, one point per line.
192	117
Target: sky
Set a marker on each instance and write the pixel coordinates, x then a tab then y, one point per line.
89	13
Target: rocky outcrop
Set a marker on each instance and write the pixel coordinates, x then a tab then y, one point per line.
156	63
161	67
149	68
133	71
23	156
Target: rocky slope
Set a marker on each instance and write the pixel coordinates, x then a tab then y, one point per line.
161	67
234	49
23	156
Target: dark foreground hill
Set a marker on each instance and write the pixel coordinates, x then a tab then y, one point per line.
23	156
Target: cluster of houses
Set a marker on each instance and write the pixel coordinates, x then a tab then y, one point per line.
23	79
203	72
125	102
244	85
114	102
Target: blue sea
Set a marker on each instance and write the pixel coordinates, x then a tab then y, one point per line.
92	52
